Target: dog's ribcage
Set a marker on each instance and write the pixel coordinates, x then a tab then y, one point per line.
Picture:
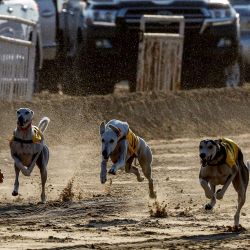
26	151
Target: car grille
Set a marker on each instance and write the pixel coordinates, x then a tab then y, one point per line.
130	17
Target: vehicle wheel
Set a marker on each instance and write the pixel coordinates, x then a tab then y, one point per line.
233	76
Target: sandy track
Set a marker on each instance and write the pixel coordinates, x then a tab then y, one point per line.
116	215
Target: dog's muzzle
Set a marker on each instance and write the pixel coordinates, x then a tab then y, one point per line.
20	121
202	156
105	154
203	160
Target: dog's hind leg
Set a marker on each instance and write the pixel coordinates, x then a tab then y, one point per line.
145	159
16	184
241	190
211	204
42	164
241	202
134	170
43	172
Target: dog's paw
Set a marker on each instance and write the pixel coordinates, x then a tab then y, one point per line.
14	193
219	195
153	195
103	180
140	179
112	171
208	206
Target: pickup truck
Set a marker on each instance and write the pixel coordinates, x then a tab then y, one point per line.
111	36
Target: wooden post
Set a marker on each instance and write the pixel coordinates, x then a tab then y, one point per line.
160	56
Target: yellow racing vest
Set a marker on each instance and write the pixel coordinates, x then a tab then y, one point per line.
133	142
232	150
36	138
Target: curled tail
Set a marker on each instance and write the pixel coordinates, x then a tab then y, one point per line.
43	124
248	165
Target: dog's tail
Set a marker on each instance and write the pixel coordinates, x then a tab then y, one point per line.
43	124
248	165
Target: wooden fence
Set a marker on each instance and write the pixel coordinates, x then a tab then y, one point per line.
160	56
17	62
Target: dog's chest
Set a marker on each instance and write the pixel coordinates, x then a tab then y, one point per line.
217	175
25	152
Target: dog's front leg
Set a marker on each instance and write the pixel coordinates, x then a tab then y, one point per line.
20	166
122	158
220	193
212	202
33	163
103	174
208	192
16	184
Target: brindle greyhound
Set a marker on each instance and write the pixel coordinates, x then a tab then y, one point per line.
222	163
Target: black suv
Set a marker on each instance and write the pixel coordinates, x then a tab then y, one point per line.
111	35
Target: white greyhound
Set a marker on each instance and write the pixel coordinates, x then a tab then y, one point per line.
28	149
121	145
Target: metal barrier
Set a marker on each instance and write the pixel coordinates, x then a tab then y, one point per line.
160	55
17	62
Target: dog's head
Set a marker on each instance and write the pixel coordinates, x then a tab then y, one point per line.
24	117
208	150
109	136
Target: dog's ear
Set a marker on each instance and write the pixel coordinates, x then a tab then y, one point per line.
115	129
32	113
102	128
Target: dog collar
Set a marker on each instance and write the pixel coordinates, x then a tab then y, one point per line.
22	141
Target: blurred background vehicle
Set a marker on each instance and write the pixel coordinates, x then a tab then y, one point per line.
48	20
111	35
71	25
26	9
243	8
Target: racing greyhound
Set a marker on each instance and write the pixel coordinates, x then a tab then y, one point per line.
121	145
222	163
28	148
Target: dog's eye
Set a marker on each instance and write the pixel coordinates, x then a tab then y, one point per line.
210	147
27	112
111	141
200	147
103	140
18	112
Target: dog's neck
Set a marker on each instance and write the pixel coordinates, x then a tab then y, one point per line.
23	132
